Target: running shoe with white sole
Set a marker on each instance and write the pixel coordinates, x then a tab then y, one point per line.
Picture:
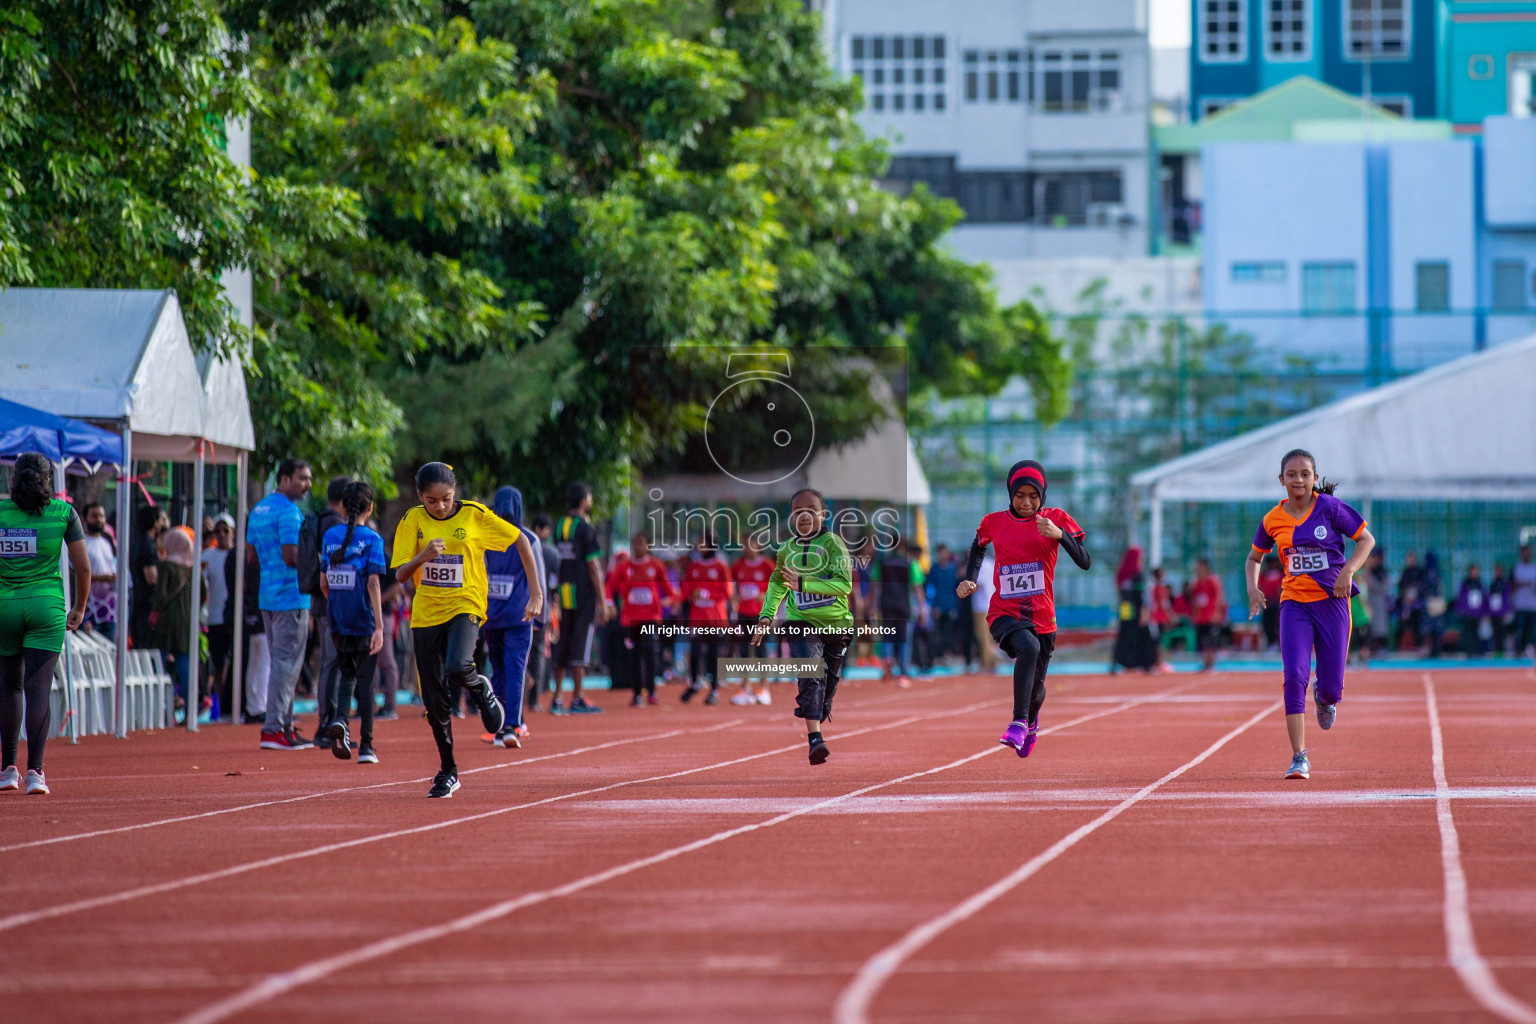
764	698
36	784
713	698
282	741
1300	767
509	739
492	715
1016	736
365	755
10	779
743	699
579	706
522	731
1326	713
444	785
341	742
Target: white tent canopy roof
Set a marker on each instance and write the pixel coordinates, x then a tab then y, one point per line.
120	356
1464	431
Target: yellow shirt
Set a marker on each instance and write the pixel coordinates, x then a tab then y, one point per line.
454	582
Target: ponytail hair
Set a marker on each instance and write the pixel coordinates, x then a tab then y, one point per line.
355	498
1321	485
32	483
434	473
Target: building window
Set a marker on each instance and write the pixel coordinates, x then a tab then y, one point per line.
996	197
1266	272
1328	287
1509	294
1077	81
1288	30
937	172
1377	29
1078	199
1432	287
993	76
900	73
1223	30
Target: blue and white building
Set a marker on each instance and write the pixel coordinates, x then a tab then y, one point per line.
1373	257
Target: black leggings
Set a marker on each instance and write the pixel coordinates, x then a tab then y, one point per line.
704	660
355	670
644	662
445	661
1031	654
25	678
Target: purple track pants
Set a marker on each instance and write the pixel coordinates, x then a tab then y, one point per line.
1304	626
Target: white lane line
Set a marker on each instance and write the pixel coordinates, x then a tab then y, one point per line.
285	981
126	895
854	1001
358	789
1460	942
52	840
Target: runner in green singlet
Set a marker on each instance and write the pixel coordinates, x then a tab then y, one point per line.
34	528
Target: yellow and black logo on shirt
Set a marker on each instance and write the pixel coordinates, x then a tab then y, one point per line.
460	533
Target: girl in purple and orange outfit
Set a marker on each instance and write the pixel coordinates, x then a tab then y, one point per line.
1310	528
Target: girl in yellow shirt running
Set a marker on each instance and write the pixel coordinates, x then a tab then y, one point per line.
441	545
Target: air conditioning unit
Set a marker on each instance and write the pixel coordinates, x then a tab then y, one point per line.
1107	215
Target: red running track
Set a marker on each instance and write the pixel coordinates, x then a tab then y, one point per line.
685	863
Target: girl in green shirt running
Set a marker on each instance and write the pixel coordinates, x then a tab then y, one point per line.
815	573
34	527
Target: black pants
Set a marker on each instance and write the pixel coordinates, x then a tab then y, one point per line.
25	680
221	643
704	660
814	701
1031	654
1525	631
644	664
445	662
355	671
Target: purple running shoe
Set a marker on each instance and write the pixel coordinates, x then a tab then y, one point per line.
1029	740
1018	737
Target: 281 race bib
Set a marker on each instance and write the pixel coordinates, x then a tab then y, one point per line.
341	577
18	543
499	588
1300	561
443	571
1026	579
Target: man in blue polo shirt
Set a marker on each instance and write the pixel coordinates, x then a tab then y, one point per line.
274	532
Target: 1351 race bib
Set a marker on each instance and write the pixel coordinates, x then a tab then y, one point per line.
804	600
749	591
341	577
638	596
443	571
18	543
1300	561
1026	579
499	588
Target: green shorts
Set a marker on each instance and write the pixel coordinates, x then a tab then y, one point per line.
36	622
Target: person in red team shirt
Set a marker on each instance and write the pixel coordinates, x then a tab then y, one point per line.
708	591
1022	615
1208	611
643	590
750	574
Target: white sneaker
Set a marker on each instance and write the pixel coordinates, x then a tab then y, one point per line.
10	778
36	784
764	699
743	699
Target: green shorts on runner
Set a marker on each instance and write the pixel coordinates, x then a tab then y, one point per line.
36	623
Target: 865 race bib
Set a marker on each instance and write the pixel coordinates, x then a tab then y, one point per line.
500	588
18	543
1300	561
341	577
443	571
1026	579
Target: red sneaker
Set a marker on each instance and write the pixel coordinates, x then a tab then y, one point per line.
283	741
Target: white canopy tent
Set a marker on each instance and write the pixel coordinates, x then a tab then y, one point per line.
123	359
1463	431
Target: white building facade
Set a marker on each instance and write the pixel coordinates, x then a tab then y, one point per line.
1031	114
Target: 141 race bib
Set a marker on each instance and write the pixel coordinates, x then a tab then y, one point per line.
18	543
1026	579
1300	561
443	571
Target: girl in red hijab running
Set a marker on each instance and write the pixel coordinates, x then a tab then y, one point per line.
1022	615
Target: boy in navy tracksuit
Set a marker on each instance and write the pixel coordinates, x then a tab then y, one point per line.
507	636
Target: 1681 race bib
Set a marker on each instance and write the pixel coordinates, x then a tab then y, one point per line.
1026	579
1300	561
18	543
443	571
500	588
341	577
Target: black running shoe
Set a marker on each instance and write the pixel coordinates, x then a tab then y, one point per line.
688	694
492	715
341	743
444	785
820	753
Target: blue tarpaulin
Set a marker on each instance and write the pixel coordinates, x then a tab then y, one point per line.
25	429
